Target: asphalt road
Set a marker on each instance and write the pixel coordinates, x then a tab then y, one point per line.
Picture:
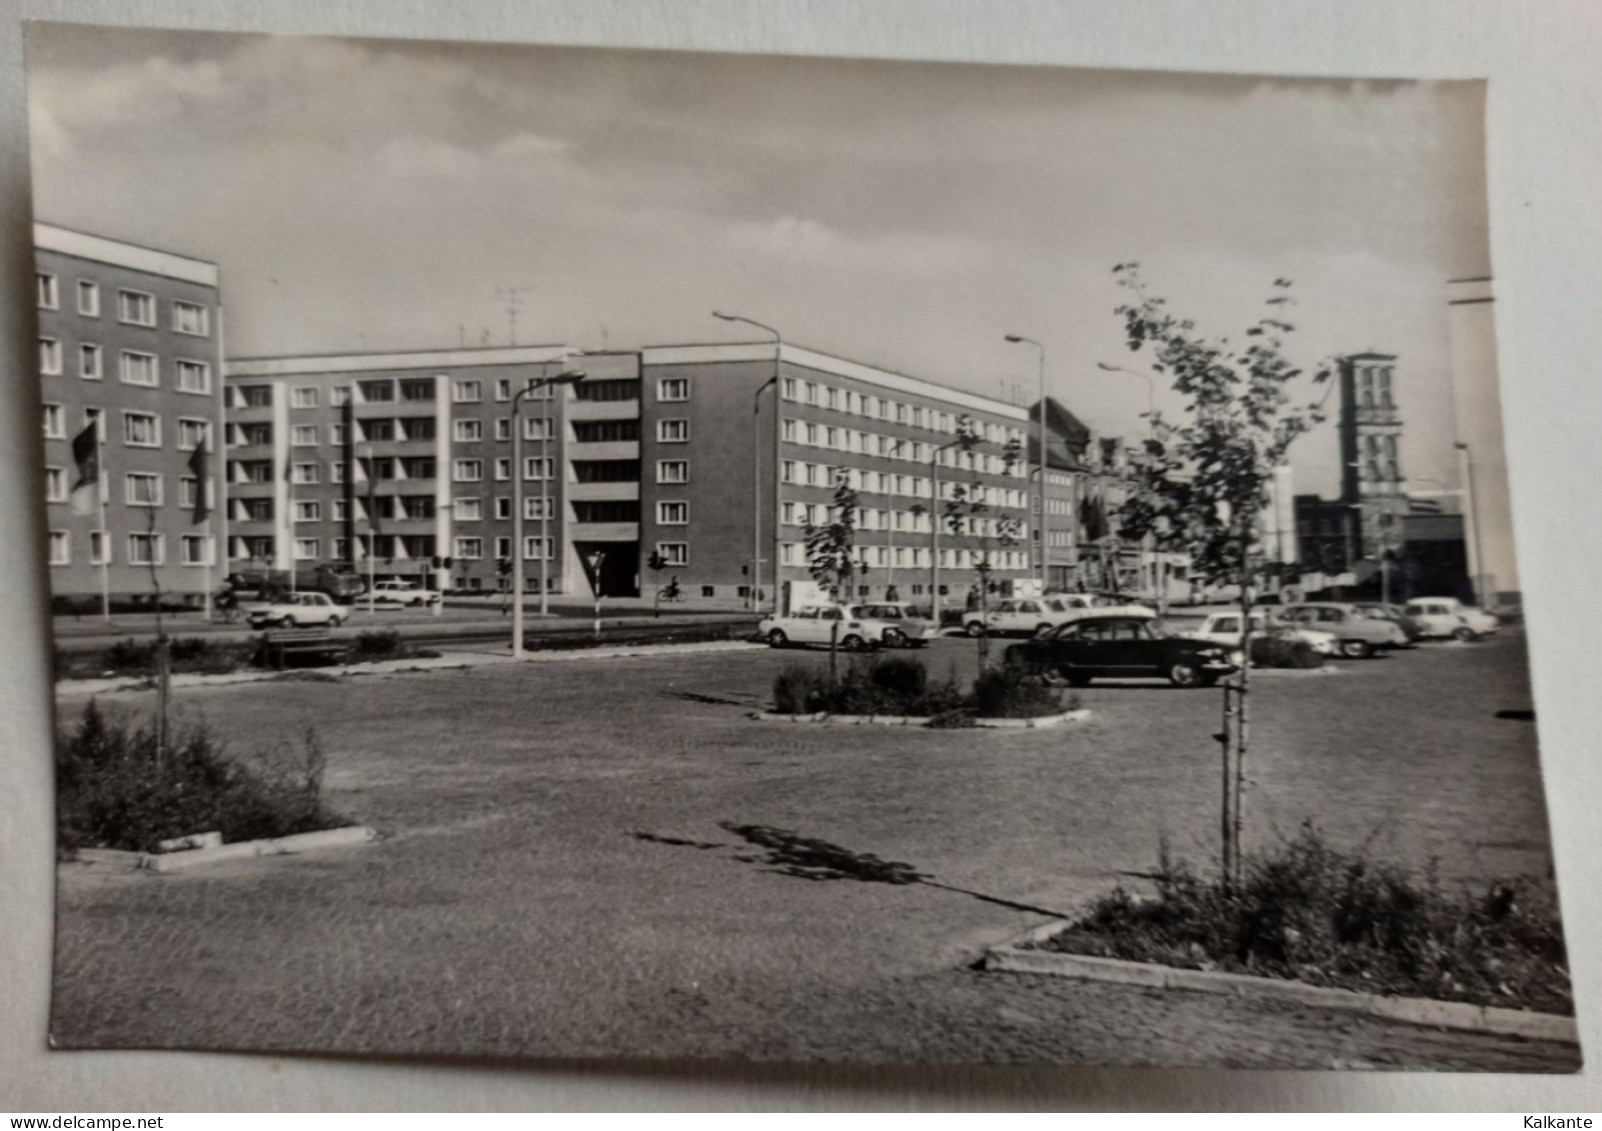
614	860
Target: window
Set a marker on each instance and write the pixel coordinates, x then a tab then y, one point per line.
674	553
468	431
253	396
537	508
503	469
336	433
468	470
468	510
503	388
139	369
192	550
467	392
503	429
672	431
336	473
308	510
789	430
193	433
97	547
672	513
90	362
339	512
532	551
88	298
339	396
142	489
469	549
136	308
503	509
787	471
538	467
304	396
60	548
49	357
303	436
49	292
673	389
55	484
306	549
191	318
141	429
672	471
538	428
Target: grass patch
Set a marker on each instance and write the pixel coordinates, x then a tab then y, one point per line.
115	788
899	685
628	637
1311	912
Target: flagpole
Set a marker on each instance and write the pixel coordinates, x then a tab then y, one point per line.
103	489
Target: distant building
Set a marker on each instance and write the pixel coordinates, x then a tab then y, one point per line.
1372	479
1478	413
129	337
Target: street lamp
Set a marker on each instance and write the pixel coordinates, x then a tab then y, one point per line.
756	469
566	377
1041	524
1151	389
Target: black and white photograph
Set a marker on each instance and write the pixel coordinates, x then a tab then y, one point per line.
581	553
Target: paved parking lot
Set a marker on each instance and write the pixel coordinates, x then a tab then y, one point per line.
609	857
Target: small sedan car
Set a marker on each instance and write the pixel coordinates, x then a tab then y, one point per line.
1447	616
815	624
905	625
1379	611
1022	616
298	610
1358	635
1224	628
1121	647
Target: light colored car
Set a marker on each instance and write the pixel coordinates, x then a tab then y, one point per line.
298	610
815	624
1224	628
1357	635
1017	616
905	625
402	594
1448	617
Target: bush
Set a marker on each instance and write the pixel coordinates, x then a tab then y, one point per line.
114	789
1309	911
1008	693
799	689
184	654
1281	651
378	644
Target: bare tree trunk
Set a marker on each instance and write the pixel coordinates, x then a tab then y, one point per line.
1243	719
1226	819
163	679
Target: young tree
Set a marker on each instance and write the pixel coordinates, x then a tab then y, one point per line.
831	556
970	519
1205	480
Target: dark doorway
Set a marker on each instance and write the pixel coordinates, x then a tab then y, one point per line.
620	567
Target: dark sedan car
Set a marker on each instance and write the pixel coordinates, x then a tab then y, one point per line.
1121	647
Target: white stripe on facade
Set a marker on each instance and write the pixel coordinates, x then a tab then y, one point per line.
429	359
81	245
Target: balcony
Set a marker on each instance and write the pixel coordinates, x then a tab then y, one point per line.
593	492
603	531
603	410
605	449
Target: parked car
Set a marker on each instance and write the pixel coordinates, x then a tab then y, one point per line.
1441	617
905	624
298	610
1121	647
1224	628
814	624
1395	613
1014	616
403	594
1358	635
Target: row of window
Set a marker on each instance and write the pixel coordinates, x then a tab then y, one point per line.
140	488
914	557
817	395
849	440
392	507
801	474
139	429
134	367
143	549
134	308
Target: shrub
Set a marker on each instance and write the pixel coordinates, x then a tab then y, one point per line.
1309	911
378	644
897	685
799	689
1280	651
115	789
1008	693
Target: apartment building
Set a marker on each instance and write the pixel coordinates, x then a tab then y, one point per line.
130	339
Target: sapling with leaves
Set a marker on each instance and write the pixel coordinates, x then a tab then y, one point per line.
831	555
1206	478
973	523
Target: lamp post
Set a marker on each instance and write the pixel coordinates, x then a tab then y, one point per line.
934	532
1477	554
1042	524
756	471
566	377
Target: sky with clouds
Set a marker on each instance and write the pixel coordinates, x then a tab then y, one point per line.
382	195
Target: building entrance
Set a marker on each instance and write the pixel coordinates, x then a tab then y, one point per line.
620	567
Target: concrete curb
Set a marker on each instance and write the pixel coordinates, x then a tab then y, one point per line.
279	846
1073	716
1016	958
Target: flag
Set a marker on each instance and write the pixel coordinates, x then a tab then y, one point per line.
198	464
86	454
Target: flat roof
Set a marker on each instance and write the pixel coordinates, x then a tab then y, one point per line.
715	352
411	359
119	253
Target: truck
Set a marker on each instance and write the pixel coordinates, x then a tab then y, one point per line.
340	583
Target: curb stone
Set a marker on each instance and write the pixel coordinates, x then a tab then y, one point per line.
277	846
1074	716
1017	958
